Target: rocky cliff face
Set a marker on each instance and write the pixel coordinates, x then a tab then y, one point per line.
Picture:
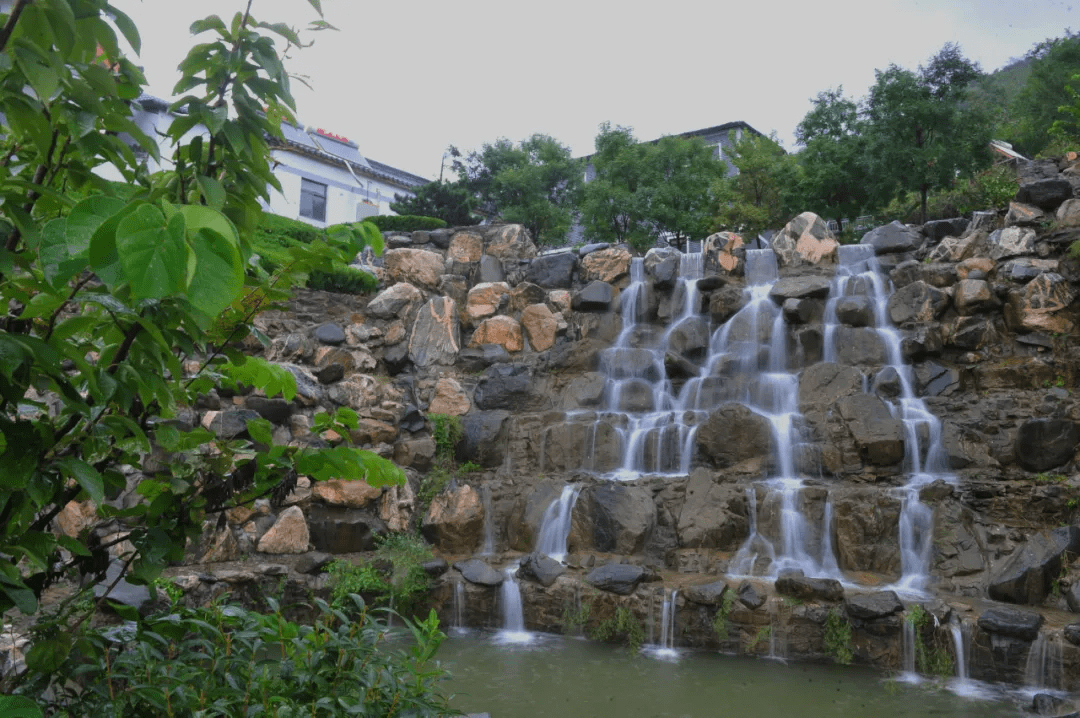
557	363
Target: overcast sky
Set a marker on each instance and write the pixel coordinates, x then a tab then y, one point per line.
404	79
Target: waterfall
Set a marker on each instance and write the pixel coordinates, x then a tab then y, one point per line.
489	524
459	607
664	645
960	644
1043	668
555	528
909	674
513	630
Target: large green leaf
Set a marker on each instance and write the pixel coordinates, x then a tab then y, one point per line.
19	707
86	475
219	272
103	255
153	254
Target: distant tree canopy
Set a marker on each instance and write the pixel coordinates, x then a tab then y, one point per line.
1038	104
534	182
449	201
760	195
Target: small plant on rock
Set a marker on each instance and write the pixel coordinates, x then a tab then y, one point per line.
624	625
838	637
933	659
720	620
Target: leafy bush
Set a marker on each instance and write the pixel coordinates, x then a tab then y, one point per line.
838	637
406	223
227	660
343	279
720	620
395	578
931	657
447	431
993	188
623	625
282	229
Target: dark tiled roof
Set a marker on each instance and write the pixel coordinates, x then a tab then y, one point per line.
403	176
299	140
717	129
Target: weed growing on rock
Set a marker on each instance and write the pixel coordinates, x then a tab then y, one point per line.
720	620
447	431
395	577
574	619
838	637
933	659
624	625
763	634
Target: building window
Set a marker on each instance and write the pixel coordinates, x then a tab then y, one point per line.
312	200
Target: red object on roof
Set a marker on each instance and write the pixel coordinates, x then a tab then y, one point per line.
331	135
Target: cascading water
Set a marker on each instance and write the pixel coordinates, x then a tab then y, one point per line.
513	630
459	607
1044	663
664	647
489	524
924	456
555	528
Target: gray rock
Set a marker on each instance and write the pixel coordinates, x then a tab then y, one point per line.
1047	704
336	372
491	269
733	433
800	288
1027	575
822	384
394	301
273	410
933	379
1011	242
541	568
596	296
893	238
798	311
232	424
124	593
1042	444
338	530
725	303
917	302
887	383
859	346
662	264
619	578
1072	633
749	597
313	562
855	311
1072	597
1045	193
485	437
553	271
706	594
938	229
435	567
873	605
614	518
878	436
440	237
593	247
502	386
795	584
436	333
395	358
1011	622
690	338
329	334
476	571
974	295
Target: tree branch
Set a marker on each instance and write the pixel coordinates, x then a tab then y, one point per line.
9	26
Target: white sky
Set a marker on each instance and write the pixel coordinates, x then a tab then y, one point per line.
406	78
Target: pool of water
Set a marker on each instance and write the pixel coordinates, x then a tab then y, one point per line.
570	678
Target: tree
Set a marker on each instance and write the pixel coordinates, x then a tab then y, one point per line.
1036	108
759	197
534	183
123	304
682	172
919	136
449	201
614	205
833	181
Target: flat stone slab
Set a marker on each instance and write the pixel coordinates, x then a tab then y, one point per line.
828	589
1011	622
749	596
874	605
476	571
707	594
542	568
800	288
620	578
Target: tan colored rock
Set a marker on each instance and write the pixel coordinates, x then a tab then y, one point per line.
356	391
956	249
396	507
1039	306
373	431
525	294
435	335
561	300
76	516
1023	215
720	249
502	330
805	240
485	300
219	546
540	326
971	296
455	521
1068	214
325	356
416	453
396	301
449	398
511	242
465	247
416	266
607	265
974	264
344	492
395	333
289	534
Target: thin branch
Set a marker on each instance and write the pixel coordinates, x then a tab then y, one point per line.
122	352
55	315
9	26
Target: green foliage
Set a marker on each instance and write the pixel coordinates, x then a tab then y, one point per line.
838	637
720	620
343	279
760	638
760	196
109	298
450	202
407	223
1044	101
227	660
575	619
395	577
931	658
172	591
447	431
624	626
282	230
534	183
990	189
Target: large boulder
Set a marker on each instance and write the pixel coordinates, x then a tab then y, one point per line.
502	386
805	240
337	530
1040	306
436	335
466	247
894	238
1028	574
974	295
395	301
1068	214
822	384
1011	242
595	296
662	264
619	578
540	568
455	521
347	493
527	517
485	434
711	514
732	434
706	594
722	253
879	436
607	265
938	229
476	571
1045	193
1011	622
869	606
450	398
1042	444
859	345
486	299
511	241
553	271
415	266
690	338
800	288
917	303
540	326
289	534
613	518
501	330
803	587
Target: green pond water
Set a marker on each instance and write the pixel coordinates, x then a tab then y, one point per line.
569	678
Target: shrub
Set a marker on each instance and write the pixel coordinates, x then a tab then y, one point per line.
282	228
406	223
395	577
227	660
838	637
343	279
624	625
720	620
447	431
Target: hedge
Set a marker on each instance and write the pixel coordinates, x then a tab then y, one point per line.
406	223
